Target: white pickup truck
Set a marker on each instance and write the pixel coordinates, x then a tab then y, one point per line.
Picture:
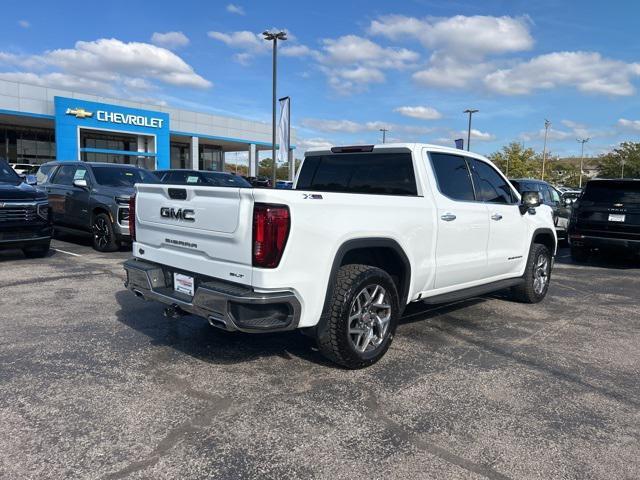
365	231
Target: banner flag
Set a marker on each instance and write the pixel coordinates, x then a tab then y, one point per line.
284	130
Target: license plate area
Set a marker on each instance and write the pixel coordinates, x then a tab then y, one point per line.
183	284
617	217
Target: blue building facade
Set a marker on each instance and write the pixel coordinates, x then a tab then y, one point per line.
99	131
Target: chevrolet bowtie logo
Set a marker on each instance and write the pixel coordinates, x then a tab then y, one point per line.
79	112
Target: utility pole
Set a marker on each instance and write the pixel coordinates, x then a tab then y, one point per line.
547	124
274	37
470	111
582	141
384	134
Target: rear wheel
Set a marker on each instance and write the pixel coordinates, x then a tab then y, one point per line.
104	236
537	276
579	254
361	318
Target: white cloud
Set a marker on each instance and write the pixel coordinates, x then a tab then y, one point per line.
476	135
629	124
24	23
421	112
170	40
243	40
351	62
460	36
305	144
237	9
296	51
589	72
349	126
105	66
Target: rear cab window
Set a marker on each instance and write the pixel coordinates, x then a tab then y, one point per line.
612	191
379	173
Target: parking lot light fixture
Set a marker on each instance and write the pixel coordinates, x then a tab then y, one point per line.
274	36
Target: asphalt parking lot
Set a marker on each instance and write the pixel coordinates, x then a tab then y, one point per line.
96	383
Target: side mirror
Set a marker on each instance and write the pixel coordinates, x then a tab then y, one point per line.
31	180
81	183
529	201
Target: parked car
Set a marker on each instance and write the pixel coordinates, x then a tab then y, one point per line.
569	197
202	177
92	199
550	196
284	184
24	168
607	216
25	221
259	182
366	231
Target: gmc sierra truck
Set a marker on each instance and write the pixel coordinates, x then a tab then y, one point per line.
365	231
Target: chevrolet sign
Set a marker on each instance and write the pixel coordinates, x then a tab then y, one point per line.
129	119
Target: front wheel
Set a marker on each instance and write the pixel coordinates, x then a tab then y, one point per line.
537	276
361	318
104	236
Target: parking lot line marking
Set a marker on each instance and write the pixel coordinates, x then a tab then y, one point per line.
68	253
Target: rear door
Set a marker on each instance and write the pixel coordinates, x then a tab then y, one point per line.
463	223
508	229
197	228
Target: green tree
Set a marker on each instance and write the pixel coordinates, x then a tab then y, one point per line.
562	172
627	153
515	161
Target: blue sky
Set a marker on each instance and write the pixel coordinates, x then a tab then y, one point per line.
353	67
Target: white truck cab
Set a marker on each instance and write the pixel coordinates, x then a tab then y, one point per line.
365	231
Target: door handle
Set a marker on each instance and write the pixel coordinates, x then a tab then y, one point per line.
448	217
496	216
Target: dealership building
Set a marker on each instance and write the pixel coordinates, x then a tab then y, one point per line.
39	124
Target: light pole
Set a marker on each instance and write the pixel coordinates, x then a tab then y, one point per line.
622	176
384	134
274	37
582	141
470	111
547	124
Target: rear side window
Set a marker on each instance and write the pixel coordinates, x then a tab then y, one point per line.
453	177
612	192
490	186
373	173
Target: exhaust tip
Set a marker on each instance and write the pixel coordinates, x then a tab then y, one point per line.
139	294
218	323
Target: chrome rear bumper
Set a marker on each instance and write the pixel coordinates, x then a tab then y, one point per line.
225	305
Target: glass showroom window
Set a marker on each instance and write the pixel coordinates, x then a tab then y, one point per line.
210	157
27	145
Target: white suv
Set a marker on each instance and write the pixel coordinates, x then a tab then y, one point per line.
365	231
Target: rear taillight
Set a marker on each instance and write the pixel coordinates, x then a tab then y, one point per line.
270	231
132	217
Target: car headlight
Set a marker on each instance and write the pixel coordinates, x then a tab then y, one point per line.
42	210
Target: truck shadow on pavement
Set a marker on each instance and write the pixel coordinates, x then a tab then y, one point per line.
619	260
194	336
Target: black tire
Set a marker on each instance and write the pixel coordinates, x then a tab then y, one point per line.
579	254
38	251
103	234
529	292
333	333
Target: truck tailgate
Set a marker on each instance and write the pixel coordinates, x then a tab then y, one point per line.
206	230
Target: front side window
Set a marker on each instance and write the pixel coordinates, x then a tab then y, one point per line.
453	177
66	174
555	196
490	186
369	173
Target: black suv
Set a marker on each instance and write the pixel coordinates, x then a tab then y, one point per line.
201	177
606	216
92	198
550	196
24	215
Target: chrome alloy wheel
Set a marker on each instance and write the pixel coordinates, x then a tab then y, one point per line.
541	274
369	318
101	232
